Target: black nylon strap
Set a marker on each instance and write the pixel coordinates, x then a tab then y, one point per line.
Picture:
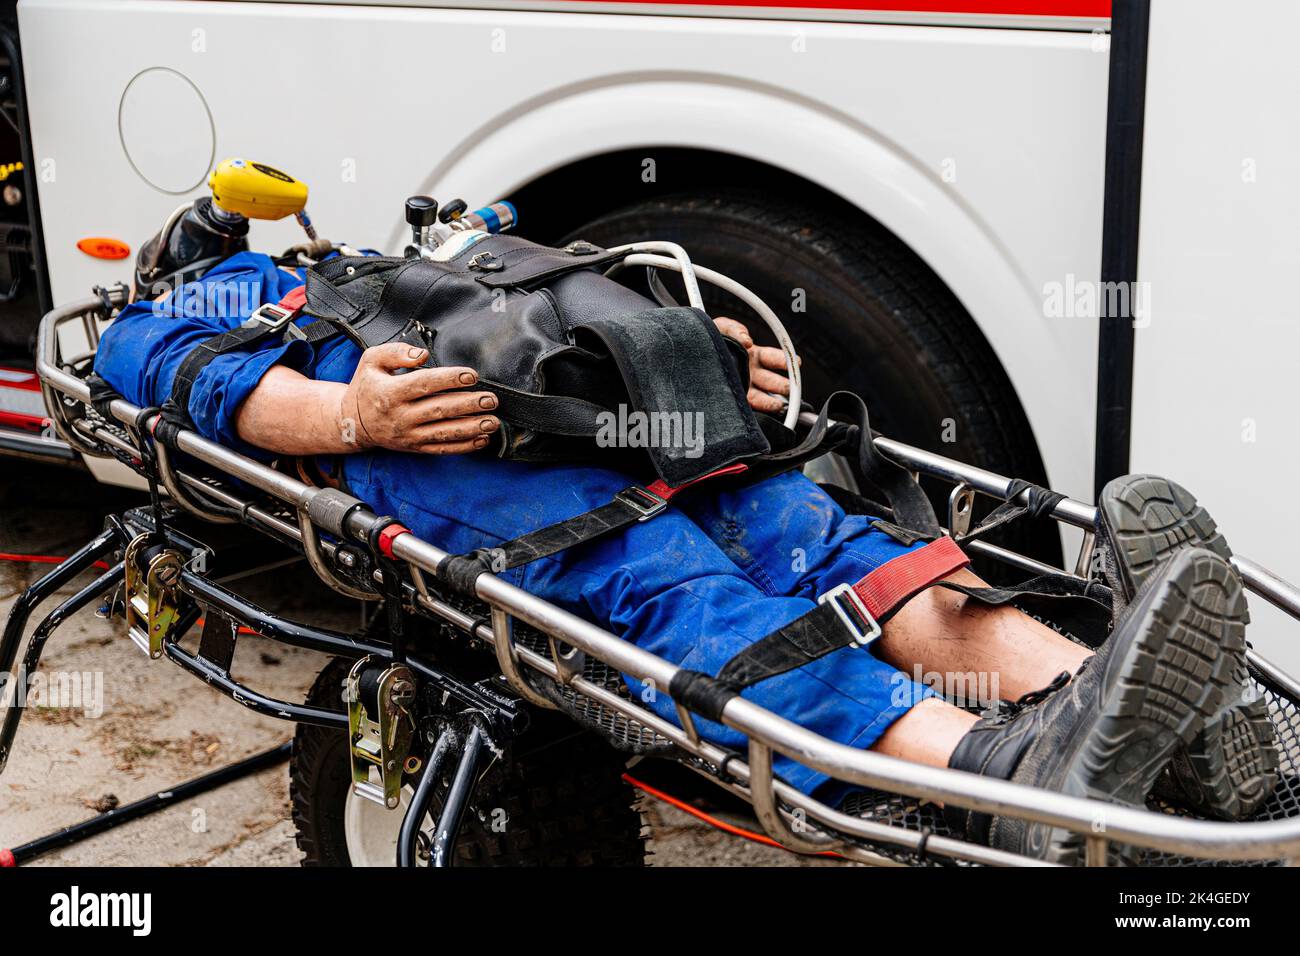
102	396
912	509
556	414
1040	503
314	332
250	333
821	631
802	641
1083	608
627	508
700	693
329	301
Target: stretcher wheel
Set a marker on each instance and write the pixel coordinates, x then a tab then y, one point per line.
875	320
563	797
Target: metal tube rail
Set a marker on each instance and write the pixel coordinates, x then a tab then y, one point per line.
736	767
170	481
1198	838
213	595
215	677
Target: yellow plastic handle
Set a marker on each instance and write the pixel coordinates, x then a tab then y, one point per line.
256	190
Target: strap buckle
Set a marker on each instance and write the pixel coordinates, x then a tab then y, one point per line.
853	612
645	502
270	315
486	262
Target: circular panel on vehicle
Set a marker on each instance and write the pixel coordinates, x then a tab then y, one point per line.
166	130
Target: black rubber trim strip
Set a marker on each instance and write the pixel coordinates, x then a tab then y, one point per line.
1121	207
40	263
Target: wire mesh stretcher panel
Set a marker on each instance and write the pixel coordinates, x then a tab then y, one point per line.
555	660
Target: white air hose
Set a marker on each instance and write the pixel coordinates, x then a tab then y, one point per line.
684	266
687	269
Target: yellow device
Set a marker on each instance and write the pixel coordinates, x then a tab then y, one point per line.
256	190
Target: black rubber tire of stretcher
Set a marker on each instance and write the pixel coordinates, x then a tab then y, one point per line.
877	321
565	798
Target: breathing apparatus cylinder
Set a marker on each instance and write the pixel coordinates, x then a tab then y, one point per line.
212	228
497	217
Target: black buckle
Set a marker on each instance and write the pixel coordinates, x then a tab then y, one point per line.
642	500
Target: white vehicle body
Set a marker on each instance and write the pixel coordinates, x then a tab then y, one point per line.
978	140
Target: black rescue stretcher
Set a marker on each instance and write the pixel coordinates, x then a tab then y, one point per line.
425	731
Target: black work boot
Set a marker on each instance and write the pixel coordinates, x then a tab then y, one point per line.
1229	769
1109	732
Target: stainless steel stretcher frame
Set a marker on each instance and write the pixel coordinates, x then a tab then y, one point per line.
553	659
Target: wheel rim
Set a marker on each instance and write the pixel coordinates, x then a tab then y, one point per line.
370	831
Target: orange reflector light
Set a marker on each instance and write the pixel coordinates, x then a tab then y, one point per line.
103	248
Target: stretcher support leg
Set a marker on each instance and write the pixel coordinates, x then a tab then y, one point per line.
47	585
458	797
18	620
408	839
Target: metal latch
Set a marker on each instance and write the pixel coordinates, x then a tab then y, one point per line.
643	501
380	734
273	317
151	606
848	605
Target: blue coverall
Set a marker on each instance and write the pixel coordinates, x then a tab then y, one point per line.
695	585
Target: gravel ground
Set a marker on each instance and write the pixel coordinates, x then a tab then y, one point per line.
146	725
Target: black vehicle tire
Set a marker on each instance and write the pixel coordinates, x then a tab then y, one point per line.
565	800
877	321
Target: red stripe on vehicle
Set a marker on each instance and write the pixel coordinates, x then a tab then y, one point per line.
29	423
1023	8
19	378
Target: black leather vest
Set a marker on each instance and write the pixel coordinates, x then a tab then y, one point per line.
584	369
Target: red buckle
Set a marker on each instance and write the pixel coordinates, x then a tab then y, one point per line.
386	536
660	487
890	585
294	299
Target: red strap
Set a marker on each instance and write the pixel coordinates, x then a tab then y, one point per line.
294	299
661	488
891	584
386	536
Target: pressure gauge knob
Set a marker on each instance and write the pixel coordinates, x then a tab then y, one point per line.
421	211
453	210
